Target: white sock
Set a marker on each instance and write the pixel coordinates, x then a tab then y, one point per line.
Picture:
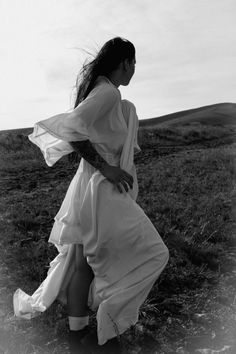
77	323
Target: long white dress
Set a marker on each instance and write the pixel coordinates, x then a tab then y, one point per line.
120	243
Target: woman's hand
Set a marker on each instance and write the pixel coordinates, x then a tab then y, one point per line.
114	174
118	177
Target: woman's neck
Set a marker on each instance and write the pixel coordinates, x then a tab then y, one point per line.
114	78
111	81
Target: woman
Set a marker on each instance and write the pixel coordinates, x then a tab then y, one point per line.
110	254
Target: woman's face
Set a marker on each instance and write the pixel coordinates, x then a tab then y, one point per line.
129	72
132	67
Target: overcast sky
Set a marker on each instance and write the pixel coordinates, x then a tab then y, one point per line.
186	53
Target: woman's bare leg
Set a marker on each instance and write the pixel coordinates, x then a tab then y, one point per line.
78	289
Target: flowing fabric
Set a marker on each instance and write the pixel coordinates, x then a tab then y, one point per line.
119	241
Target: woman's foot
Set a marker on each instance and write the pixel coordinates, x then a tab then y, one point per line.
112	346
90	342
75	338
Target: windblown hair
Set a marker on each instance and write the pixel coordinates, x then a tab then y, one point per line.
108	58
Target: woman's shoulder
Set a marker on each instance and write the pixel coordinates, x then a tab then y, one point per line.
104	85
103	94
127	103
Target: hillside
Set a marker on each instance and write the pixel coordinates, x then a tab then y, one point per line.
186	176
216	114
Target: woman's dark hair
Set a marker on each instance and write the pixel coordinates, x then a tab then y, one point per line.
112	53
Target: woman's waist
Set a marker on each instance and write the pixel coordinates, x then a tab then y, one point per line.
88	168
112	157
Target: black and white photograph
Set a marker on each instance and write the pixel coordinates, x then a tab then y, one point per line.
117	177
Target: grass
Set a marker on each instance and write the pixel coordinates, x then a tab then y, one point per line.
189	195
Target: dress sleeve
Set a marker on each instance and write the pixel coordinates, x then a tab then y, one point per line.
53	134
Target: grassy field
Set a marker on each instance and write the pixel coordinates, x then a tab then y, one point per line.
187	188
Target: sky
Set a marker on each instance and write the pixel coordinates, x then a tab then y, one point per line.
185	53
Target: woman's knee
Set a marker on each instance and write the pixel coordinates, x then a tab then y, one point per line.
81	263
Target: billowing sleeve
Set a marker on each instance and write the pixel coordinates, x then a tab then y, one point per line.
53	134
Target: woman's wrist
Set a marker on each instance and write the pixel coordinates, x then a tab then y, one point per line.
103	167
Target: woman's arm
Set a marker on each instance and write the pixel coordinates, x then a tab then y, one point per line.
114	174
87	151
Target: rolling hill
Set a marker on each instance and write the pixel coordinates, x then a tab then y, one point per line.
216	114
186	176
